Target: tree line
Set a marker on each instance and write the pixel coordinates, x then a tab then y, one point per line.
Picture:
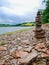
45	12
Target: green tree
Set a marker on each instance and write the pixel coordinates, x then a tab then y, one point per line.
45	13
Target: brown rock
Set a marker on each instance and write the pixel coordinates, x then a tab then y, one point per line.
21	54
12	52
18	54
29	49
26	42
34	63
38	47
2	62
2	54
39	63
39	32
47	63
44	55
45	50
3	48
30	56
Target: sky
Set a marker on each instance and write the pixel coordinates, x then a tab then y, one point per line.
19	11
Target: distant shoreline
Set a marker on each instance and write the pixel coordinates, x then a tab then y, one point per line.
16	25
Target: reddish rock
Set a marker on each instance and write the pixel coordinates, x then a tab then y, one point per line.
18	54
30	57
2	62
3	48
44	55
38	47
45	50
12	52
21	54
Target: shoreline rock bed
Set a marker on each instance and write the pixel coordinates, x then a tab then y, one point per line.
23	49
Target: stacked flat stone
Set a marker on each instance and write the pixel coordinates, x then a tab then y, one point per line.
39	32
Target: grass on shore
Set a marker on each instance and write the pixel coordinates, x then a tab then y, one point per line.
3	42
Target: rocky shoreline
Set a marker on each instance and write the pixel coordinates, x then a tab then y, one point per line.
21	48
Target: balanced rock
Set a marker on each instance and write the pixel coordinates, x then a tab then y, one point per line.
39	32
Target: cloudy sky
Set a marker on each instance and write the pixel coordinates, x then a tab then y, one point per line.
18	11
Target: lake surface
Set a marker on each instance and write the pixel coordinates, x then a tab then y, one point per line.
11	29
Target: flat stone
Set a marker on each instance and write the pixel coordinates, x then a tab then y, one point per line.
13	42
44	55
39	46
12	52
18	54
26	60
26	42
2	62
19	47
21	54
25	46
29	49
45	50
3	48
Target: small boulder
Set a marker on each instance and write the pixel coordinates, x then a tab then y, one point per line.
21	54
3	48
29	49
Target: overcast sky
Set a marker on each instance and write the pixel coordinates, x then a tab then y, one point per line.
18	11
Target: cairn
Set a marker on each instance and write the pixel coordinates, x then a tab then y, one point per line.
39	32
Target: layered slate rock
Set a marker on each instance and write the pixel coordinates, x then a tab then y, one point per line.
30	57
39	32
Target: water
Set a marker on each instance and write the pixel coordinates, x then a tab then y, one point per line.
11	29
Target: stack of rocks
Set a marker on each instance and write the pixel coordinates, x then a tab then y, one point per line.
39	32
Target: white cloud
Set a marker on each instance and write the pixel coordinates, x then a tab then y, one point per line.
25	10
21	7
24	6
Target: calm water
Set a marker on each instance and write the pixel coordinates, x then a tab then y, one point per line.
10	29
